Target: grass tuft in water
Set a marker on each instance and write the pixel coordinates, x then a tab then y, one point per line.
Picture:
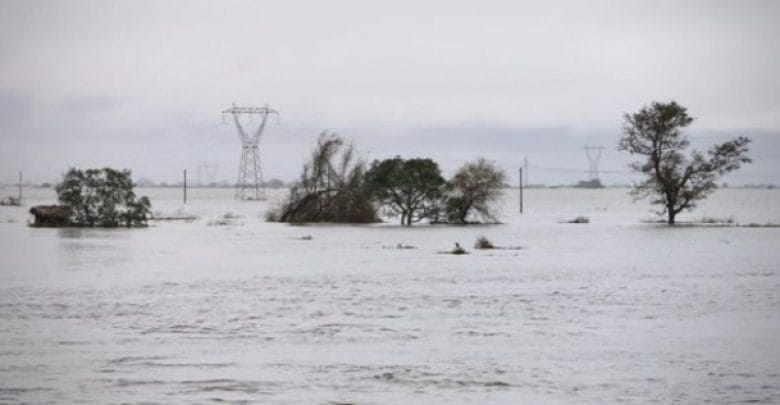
483	243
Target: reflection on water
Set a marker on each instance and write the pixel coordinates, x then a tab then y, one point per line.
610	311
93	233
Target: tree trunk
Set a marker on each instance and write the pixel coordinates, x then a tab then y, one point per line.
670	204
464	213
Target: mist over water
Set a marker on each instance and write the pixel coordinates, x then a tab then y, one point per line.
231	308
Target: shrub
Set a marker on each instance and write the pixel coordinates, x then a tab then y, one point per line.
714	220
102	197
580	220
472	191
483	243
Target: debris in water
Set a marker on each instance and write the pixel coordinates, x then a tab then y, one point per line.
457	251
578	220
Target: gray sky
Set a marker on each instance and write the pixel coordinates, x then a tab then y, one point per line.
140	84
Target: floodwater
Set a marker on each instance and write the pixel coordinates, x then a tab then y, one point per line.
240	310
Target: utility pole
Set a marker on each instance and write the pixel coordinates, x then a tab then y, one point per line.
250	174
520	180
184	185
20	188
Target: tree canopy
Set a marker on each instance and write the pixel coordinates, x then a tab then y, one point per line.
102	197
410	188
675	181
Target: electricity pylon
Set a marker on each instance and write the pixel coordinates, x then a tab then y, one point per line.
250	174
593	160
210	170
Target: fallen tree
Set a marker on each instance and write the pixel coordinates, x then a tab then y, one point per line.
330	188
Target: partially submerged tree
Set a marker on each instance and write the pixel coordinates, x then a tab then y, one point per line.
410	188
675	181
473	190
102	197
330	188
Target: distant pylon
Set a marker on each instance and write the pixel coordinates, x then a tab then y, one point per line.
594	155
210	171
250	174
525	170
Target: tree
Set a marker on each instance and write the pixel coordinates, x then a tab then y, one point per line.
474	188
412	188
102	197
676	181
330	188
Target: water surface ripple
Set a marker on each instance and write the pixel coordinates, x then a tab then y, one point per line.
251	312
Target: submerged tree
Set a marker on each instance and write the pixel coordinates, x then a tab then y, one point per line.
410	188
330	188
102	197
676	181
473	189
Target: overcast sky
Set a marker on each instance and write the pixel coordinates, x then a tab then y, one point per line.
141	84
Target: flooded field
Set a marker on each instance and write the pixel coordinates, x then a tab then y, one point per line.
230	308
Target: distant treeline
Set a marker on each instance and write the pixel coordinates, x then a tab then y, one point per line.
279	184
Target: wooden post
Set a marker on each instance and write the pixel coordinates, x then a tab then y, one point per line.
521	189
20	188
185	186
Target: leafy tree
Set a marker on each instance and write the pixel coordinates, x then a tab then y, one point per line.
676	181
412	188
330	188
102	197
474	188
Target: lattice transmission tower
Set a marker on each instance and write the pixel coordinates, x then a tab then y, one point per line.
250	174
594	155
210	171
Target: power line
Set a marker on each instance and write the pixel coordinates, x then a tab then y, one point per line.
571	170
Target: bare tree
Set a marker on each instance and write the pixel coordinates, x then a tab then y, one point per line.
675	181
474	188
